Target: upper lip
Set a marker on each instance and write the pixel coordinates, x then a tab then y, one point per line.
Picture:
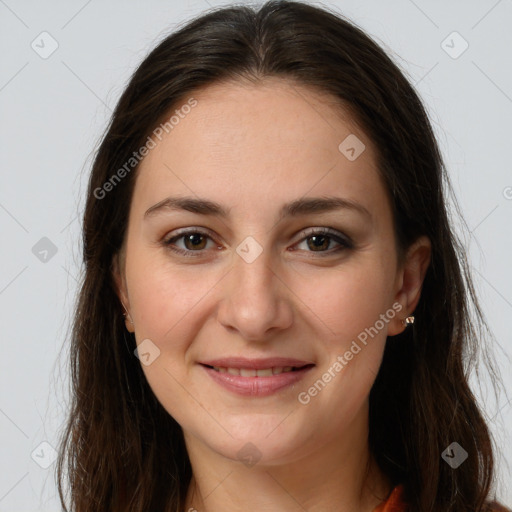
256	364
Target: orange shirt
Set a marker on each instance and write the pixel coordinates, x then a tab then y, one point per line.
395	502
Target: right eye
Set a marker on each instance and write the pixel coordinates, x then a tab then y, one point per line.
194	241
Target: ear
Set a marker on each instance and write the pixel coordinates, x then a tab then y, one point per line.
121	289
410	281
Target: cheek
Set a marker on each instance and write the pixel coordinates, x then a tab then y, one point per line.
344	302
165	298
358	312
169	308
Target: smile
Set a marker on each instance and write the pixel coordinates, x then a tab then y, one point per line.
256	382
249	372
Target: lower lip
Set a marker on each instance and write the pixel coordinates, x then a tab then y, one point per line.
256	386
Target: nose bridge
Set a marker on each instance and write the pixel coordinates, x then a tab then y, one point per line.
254	301
253	278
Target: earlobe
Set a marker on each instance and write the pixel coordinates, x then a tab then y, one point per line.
128	321
414	269
119	282
121	291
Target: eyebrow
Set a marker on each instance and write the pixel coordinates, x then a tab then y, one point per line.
302	206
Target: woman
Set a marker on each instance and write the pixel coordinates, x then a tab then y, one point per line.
273	314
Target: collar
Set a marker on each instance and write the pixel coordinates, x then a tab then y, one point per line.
395	502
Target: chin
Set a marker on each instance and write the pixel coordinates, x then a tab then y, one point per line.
257	440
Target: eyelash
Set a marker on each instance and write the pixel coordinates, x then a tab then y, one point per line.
345	242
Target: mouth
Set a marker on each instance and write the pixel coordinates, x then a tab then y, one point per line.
256	377
251	372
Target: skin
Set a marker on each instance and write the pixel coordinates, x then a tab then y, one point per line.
253	148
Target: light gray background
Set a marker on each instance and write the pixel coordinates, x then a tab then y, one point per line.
53	111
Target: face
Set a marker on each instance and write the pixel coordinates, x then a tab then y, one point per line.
257	245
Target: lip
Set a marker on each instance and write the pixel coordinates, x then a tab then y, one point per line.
256	386
255	364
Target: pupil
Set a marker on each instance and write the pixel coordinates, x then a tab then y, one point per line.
194	239
316	239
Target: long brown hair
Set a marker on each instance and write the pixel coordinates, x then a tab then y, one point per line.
121	451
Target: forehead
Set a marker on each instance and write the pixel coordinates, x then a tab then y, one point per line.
272	117
244	143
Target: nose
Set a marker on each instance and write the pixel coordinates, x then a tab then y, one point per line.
256	302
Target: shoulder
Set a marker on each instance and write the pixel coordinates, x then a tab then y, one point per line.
396	503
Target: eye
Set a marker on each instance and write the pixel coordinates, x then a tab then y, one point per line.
317	240
320	239
194	241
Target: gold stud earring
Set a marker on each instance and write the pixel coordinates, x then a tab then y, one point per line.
127	316
408	320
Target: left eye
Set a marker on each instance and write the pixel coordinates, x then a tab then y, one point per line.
317	240
320	240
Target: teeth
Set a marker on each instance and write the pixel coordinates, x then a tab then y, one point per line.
248	372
